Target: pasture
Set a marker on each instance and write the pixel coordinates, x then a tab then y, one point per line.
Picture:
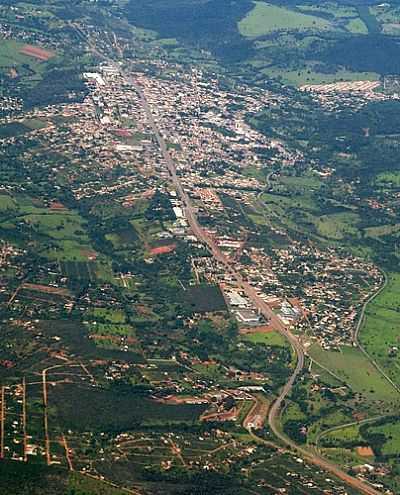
380	333
350	365
266	18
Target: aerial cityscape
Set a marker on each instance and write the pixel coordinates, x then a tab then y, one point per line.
199	247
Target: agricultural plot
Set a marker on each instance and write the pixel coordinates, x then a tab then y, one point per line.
82	409
83	272
57	235
205	299
75	338
337	226
107	315
267	338
12	56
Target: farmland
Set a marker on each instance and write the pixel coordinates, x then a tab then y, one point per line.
268	338
83	409
205	299
12	56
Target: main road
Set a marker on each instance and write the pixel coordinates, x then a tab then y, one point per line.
251	293
260	304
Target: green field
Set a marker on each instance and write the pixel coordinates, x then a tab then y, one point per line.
108	315
356	370
269	338
10	55
266	18
338	225
342	435
391	430
357	26
330	8
381	330
388	179
382	230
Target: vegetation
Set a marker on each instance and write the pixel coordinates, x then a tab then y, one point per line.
266	18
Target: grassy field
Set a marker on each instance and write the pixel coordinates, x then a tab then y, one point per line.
10	55
338	225
382	230
78	483
338	437
391	430
269	338
355	369
108	315
266	18
388	179
329	8
309	75
380	332
357	26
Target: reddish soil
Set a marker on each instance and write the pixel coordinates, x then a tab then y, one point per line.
257	329
47	289
163	249
36	52
365	451
56	205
